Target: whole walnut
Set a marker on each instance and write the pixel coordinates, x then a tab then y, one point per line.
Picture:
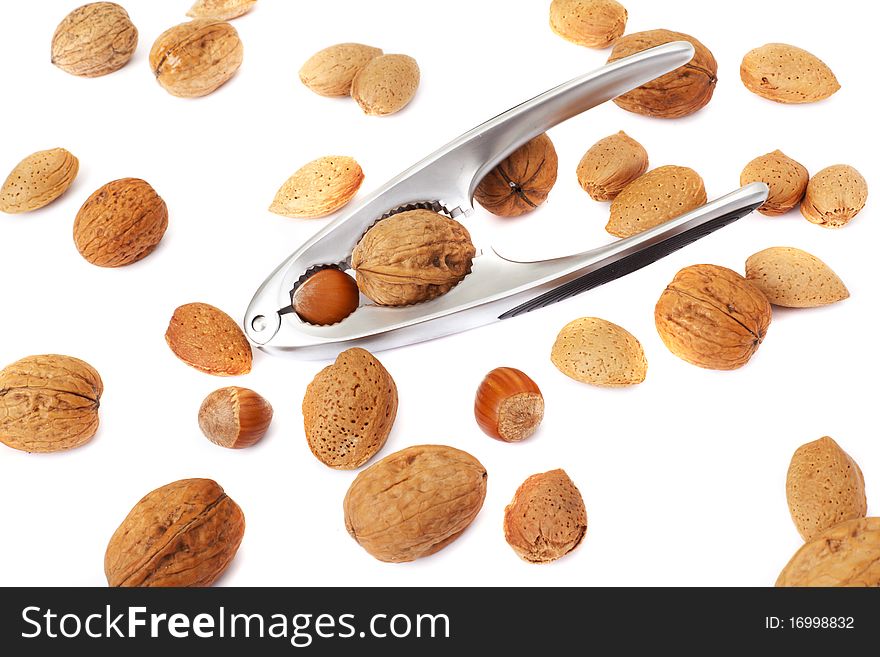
412	256
522	181
678	93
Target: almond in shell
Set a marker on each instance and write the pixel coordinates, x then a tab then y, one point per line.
591	23
94	40
834	196
221	10
330	72
596	351
787	74
386	84
37	180
786	178
206	338
610	165
793	278
824	487
654	198
319	188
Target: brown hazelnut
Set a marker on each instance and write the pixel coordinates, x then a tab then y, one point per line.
326	297
234	417
522	181
509	405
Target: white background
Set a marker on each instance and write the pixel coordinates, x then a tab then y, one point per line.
683	476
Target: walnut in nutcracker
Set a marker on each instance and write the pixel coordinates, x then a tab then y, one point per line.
520	182
412	256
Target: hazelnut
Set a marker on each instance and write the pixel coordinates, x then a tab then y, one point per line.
521	182
326	297
234	417
509	405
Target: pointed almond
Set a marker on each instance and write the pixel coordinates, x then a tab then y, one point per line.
793	278
319	188
654	198
209	340
595	351
221	10
834	196
610	165
786	74
329	72
386	84
38	180
786	178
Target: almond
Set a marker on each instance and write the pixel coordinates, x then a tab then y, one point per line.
793	278
654	198
591	23
349	409
824	487
209	340
593	350
386	84
610	165
834	196
786	178
120	223
319	188
221	10
329	72
38	180
786	74
94	40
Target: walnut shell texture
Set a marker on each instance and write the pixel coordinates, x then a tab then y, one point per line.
847	554
610	165
414	502
330	72
349	409
678	93
94	40
37	180
591	23
206	338
183	534
411	257
386	84
120	223
546	518
49	403
522	181
786	178
194	59
712	317
834	196
824	487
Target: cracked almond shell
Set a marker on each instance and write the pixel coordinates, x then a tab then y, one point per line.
521	181
598	352
94	40
834	196
712	317
414	502
786	178
610	165
206	338
183	534
386	84
330	72
793	278
678	93
221	10
654	198
37	180
319	188
590	23
49	403
787	74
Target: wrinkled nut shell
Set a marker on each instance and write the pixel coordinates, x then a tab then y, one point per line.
120	223
94	40
786	178
193	59
414	502
824	487
595	351
546	518
786	74
349	409
712	317
206	338
386	84
183	534
834	196
221	10
610	165
522	181
656	197
591	23
234	417
411	257
793	278
847	554
677	93
49	403
37	180
330	72
319	188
